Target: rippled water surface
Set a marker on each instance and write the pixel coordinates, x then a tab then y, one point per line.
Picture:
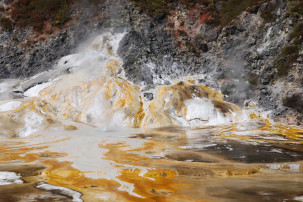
238	162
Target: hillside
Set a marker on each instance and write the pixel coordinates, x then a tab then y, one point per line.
249	50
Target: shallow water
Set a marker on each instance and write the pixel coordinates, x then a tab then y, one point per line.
223	163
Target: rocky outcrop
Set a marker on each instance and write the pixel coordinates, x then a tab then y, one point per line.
25	52
237	57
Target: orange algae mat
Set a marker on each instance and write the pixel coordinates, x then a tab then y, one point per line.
225	163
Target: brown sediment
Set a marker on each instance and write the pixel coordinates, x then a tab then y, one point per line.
28	192
70	127
30	175
224	107
192	156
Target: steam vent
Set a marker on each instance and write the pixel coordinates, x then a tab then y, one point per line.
151	100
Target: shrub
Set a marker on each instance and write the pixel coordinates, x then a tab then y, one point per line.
231	8
282	66
267	15
253	79
289	54
95	2
6	23
182	32
36	13
192	48
296	8
295	102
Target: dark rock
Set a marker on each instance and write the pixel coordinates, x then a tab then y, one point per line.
149	96
131	48
160	18
203	47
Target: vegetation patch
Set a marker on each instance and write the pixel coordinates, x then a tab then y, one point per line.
219	15
6	23
96	2
232	8
162	7
37	13
182	32
290	54
267	13
253	79
296	8
192	48
295	102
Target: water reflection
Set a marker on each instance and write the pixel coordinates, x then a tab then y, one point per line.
255	162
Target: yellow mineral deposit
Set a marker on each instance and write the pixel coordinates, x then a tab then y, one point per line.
102	97
189	145
171	106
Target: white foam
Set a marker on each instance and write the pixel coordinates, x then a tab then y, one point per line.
274	166
201	146
33	122
4	87
202	111
299	198
294	166
35	91
7	178
8	106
